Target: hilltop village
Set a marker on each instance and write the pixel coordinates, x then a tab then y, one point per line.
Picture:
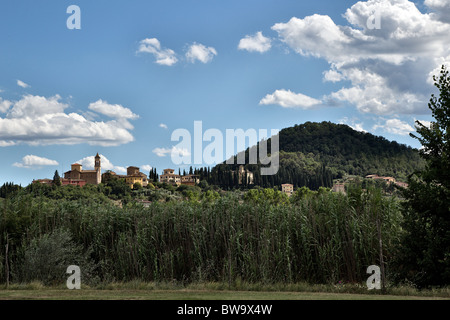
77	176
134	178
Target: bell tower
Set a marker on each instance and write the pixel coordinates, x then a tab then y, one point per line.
98	168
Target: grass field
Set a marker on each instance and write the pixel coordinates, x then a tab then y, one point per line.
194	294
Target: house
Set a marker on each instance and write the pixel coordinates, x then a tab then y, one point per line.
44	181
376	177
190	179
389	180
133	176
73	182
340	187
402	184
64	182
170	177
287	188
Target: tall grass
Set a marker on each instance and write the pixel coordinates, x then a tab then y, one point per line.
325	238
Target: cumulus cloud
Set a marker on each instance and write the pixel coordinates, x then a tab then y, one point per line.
88	163
37	120
116	111
34	162
199	52
289	99
441	9
146	168
388	68
163	125
22	84
163	56
4	105
162	152
396	126
332	76
256	42
352	123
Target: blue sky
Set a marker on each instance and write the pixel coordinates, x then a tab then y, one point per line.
138	70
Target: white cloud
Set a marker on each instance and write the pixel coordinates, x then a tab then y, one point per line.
162	152
388	67
37	120
146	168
166	57
35	106
332	76
289	99
425	123
4	105
88	163
22	84
257	42
441	8
116	111
396	126
201	53
358	126
6	143
34	162
163	125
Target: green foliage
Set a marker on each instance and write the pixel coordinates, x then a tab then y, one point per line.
343	149
46	259
89	192
425	255
323	237
266	196
210	196
8	188
118	188
313	154
137	186
56	179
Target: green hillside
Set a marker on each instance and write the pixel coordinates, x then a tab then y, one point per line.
313	154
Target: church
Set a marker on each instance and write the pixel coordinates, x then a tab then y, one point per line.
90	176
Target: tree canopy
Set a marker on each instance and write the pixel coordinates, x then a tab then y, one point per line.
426	245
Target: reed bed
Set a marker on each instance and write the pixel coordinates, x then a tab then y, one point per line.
323	239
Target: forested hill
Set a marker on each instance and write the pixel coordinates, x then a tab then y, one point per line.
313	154
351	151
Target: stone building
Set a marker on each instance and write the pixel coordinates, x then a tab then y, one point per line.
287	188
89	176
242	173
170	177
133	176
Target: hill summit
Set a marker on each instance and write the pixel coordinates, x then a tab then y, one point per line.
313	154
